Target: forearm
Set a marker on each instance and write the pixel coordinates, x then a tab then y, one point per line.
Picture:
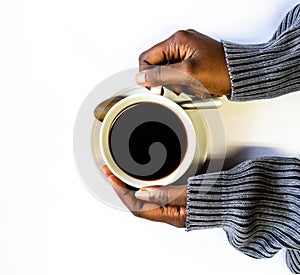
266	70
257	203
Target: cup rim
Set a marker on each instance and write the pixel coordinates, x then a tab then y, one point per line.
118	108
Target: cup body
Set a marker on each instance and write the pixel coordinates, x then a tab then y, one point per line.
116	137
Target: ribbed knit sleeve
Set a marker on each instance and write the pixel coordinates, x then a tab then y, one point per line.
257	203
267	70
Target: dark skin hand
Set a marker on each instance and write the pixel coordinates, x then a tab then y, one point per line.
186	61
156	203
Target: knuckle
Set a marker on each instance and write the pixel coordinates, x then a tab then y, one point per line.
153	196
188	73
180	34
187	67
164	196
154	76
142	57
136	208
136	213
164	211
158	73
159	196
193	32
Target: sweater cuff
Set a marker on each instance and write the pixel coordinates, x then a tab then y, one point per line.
217	200
204	203
249	70
211	202
263	71
256	203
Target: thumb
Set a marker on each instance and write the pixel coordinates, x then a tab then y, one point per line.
164	75
171	195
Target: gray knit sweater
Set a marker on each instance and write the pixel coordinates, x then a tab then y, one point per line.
257	203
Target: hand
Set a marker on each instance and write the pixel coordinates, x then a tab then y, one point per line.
163	204
186	60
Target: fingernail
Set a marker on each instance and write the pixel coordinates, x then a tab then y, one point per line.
140	78
142	195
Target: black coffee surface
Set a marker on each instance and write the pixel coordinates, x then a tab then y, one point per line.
148	141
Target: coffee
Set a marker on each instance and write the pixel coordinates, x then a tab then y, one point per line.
148	141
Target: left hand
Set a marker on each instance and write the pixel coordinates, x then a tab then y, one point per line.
189	62
156	203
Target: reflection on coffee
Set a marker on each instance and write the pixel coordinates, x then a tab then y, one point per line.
148	141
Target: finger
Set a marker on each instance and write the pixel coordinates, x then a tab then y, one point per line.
192	31
166	195
125	194
195	91
105	170
172	50
128	198
165	75
174	76
173	215
159	54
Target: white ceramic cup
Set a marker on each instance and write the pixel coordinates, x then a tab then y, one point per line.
194	125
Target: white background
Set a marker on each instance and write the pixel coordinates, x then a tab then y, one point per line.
52	53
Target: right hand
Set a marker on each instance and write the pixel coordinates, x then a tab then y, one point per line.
188	60
155	203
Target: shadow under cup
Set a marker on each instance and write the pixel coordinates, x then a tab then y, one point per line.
147	140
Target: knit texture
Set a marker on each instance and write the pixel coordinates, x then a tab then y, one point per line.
257	203
266	70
